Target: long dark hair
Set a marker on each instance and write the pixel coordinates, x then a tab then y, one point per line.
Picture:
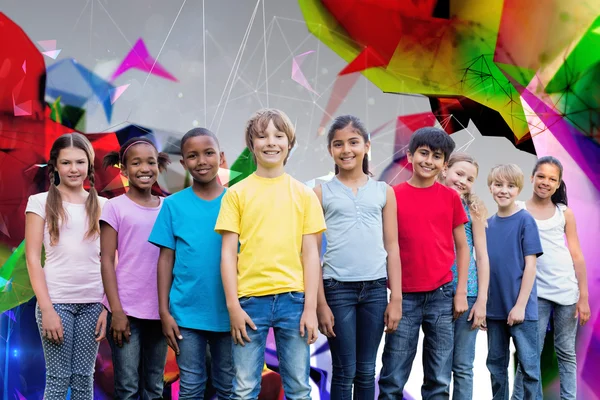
119	157
342	122
560	196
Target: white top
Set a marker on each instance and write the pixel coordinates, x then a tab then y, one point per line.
556	279
72	266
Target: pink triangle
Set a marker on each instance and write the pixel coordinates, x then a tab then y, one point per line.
52	54
297	74
3	227
24	66
139	58
117	92
47	45
22	109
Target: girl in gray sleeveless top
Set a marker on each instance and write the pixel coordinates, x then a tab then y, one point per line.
362	254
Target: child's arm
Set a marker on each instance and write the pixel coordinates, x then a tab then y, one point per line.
237	316
52	328
312	269
393	312
166	260
517	314
324	314
462	265
478	312
108	246
583	307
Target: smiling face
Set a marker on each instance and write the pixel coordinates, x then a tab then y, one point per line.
201	158
427	164
461	176
270	147
141	166
348	148
72	166
545	180
504	193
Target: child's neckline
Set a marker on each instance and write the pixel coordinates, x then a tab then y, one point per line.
160	201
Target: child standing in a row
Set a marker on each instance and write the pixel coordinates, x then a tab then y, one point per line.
362	253
138	347
69	312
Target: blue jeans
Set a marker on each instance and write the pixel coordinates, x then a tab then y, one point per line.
565	331
464	355
282	312
139	365
192	363
358	309
525	338
433	312
71	363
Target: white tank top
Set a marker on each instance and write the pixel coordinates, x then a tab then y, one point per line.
556	279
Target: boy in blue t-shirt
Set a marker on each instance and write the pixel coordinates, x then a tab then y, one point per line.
513	245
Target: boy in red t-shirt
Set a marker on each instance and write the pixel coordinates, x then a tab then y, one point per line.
431	222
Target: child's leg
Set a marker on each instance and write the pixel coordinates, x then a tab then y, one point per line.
565	331
85	350
192	364
126	360
498	357
464	355
249	359
545	308
438	343
369	330
401	348
293	350
223	372
342	298
58	356
526	338
154	358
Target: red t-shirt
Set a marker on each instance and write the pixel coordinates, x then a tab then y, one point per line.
426	220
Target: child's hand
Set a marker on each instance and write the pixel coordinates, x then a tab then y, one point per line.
119	326
460	305
101	326
582	311
52	328
516	315
393	315
239	319
477	314
309	323
326	320
171	332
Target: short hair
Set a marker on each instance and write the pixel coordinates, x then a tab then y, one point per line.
434	138
510	173
259	122
195	132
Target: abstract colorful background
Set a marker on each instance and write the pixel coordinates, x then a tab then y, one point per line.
509	80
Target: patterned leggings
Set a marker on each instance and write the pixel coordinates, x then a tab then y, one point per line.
71	364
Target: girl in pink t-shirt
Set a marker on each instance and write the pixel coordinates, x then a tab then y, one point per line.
69	312
135	337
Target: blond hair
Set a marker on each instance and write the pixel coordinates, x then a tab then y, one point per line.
475	204
510	173
259	122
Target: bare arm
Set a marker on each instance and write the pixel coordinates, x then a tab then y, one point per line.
478	312
166	260
517	314
583	308
34	236
229	269
312	275
394	269
108	248
462	265
321	292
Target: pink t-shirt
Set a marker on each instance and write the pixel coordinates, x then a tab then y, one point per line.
137	258
72	266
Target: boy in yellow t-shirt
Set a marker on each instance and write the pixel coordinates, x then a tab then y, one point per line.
273	282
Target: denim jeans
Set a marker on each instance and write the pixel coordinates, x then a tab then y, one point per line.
433	312
525	338
139	365
358	309
191	360
71	363
282	312
464	355
565	331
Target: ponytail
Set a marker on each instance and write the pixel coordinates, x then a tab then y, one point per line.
560	196
55	212
92	206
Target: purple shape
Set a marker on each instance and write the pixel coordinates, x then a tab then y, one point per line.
139	58
297	74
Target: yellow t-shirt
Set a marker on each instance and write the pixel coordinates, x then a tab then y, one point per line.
270	215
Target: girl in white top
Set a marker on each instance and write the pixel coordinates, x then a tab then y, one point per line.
561	274
69	313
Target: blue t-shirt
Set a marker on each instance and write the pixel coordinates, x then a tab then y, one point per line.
186	224
509	241
472	284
